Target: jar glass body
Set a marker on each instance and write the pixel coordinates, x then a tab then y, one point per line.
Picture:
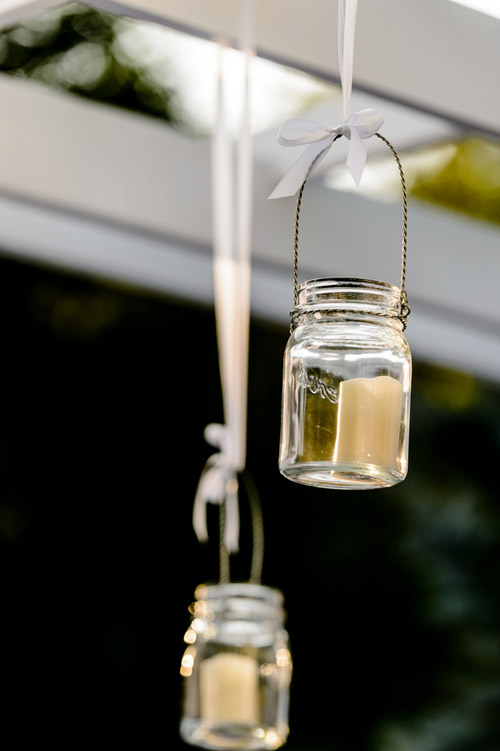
346	387
237	669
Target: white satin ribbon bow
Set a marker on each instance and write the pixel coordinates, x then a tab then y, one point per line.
357	128
218	484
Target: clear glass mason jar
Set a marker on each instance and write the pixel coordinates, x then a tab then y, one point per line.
237	668
346	387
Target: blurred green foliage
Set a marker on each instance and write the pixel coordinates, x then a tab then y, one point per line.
77	49
450	542
468	182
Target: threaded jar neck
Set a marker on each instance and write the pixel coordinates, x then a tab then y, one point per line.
333	299
241	600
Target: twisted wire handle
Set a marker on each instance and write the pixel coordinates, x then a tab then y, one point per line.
257	535
404	307
224	557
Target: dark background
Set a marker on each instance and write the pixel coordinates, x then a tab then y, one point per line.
392	595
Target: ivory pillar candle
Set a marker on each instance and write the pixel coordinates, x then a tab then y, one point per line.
369	421
229	689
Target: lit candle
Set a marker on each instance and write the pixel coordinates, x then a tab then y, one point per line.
369	421
229	689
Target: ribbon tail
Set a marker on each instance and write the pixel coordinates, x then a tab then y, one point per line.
356	157
211	489
200	513
292	181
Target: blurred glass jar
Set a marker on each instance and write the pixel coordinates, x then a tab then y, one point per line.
237	668
346	387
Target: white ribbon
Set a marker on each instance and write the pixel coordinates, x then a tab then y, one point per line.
218	484
357	127
347	10
231	212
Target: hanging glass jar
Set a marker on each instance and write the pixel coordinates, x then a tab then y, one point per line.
237	668
346	380
346	387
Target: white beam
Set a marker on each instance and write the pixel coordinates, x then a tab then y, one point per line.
94	189
169	267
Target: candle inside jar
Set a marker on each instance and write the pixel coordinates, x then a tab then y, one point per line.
369	421
229	689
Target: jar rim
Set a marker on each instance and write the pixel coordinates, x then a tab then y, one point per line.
236	590
324	281
335	298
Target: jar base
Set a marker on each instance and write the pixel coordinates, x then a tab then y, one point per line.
342	476
231	736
